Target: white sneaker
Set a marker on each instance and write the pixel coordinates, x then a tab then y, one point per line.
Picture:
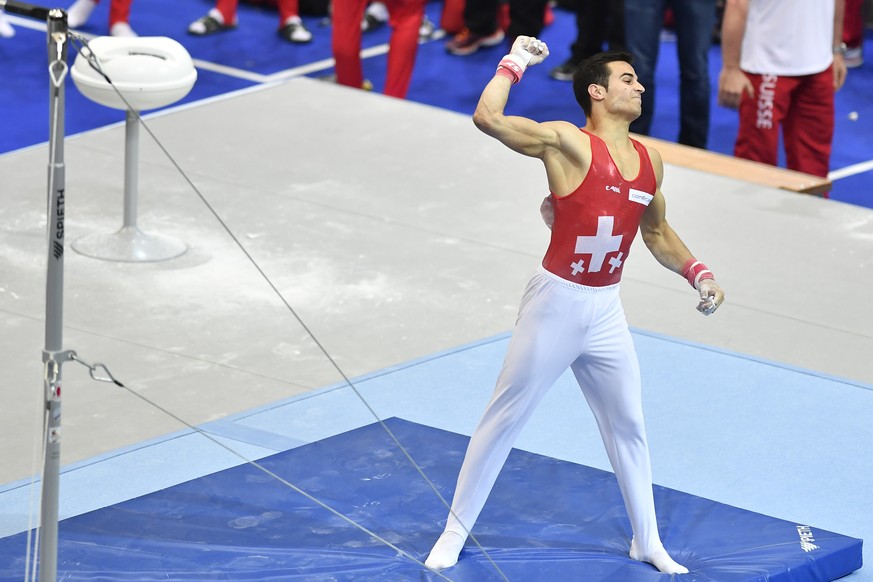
6	30
426	30
122	29
294	31
210	24
79	13
377	13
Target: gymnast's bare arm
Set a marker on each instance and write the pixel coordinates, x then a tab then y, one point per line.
563	148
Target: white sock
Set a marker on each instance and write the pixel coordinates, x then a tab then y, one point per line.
122	29
79	13
660	559
6	29
445	551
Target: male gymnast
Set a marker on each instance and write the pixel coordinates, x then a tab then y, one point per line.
604	187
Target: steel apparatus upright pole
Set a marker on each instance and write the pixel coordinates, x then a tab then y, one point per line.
53	355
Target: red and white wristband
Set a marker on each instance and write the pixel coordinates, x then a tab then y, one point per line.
512	67
695	272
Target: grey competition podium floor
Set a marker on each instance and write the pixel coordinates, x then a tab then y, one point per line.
396	232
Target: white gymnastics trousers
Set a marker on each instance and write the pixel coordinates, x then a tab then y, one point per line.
562	324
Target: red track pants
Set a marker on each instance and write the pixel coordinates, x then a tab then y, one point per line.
119	11
803	107
853	23
287	9
405	19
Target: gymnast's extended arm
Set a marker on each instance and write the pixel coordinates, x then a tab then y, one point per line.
666	246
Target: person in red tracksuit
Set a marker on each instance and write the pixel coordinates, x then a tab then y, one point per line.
119	16
405	19
778	83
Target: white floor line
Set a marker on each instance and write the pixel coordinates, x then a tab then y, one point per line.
230	71
321	65
852	170
22	22
241	73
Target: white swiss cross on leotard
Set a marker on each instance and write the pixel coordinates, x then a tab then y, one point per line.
598	246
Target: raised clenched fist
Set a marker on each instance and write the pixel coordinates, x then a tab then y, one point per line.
531	50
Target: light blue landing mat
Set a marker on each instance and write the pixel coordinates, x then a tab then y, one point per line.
772	439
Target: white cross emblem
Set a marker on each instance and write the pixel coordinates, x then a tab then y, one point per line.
598	246
615	263
578	266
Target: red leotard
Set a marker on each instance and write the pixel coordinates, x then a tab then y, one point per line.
595	225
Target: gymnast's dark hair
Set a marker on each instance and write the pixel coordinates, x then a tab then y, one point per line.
595	69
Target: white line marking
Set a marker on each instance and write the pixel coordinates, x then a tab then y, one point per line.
22	22
242	73
858	168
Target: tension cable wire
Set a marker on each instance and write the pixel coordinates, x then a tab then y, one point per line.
101	373
94	63
30	561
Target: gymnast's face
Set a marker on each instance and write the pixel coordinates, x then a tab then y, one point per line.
624	93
